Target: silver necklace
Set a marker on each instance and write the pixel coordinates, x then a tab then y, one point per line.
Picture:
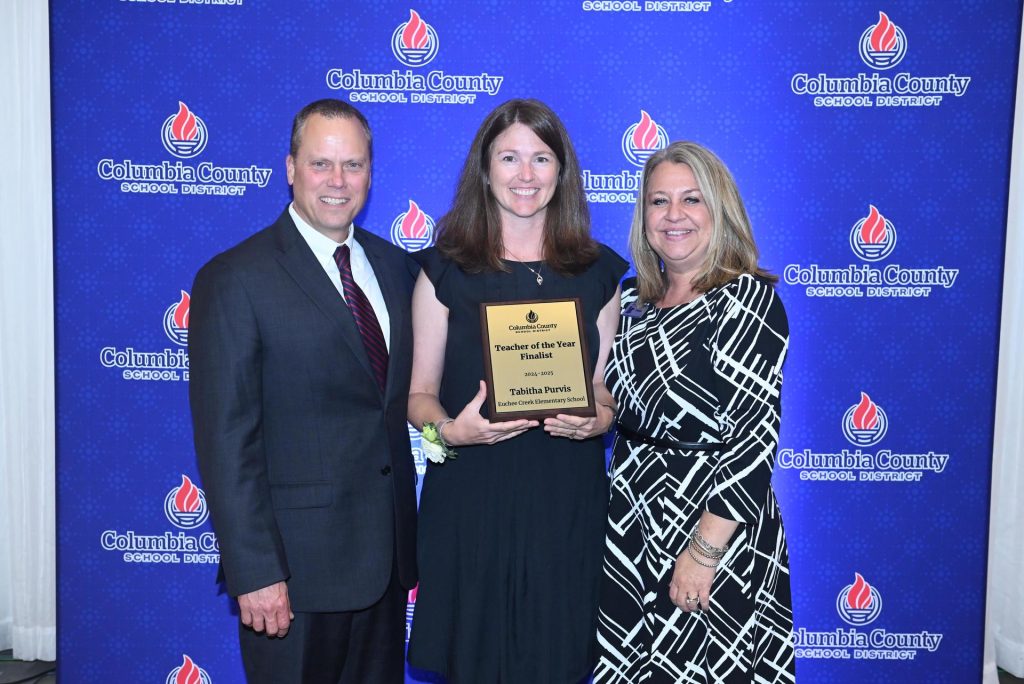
536	272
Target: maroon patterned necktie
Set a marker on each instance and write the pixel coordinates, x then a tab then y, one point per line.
366	320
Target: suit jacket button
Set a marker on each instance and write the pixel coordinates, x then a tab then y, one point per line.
386	470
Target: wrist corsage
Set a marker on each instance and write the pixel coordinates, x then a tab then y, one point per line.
434	446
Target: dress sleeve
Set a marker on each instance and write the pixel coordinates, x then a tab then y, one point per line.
611	268
438	271
629	292
748	347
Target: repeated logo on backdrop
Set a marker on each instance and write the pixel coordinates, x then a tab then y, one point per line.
188	673
176	320
184	507
414	43
882	46
168	364
639	141
184	135
864	424
859	604
413	229
643	139
872	238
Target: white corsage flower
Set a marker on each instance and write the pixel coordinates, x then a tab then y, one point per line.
434	446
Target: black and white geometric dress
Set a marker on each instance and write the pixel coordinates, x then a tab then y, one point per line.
706	371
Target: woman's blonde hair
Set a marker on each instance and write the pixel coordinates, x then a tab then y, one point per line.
731	252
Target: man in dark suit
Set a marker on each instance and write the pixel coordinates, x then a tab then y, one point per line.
300	348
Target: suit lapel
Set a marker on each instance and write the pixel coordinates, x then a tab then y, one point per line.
298	260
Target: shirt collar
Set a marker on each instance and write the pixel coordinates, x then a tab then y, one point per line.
323	247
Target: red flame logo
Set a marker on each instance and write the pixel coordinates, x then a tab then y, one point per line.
187	498
865	416
413	592
883	37
859	596
873	232
414	225
645	137
414	37
181	312
184	126
188	673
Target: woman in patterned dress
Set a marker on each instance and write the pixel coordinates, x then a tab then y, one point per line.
696	586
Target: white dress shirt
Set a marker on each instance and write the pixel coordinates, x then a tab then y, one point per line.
323	248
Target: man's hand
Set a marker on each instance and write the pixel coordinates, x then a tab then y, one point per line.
267	610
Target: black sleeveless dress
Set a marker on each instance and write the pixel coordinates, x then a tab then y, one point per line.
511	535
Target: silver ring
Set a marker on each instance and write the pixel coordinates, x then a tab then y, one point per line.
692	600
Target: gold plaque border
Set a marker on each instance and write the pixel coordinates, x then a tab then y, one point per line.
588	373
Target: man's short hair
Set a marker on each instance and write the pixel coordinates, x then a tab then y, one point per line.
329	108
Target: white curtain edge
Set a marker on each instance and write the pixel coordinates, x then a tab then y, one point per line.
998	650
35	643
27	439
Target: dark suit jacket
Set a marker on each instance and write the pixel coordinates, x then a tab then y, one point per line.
305	463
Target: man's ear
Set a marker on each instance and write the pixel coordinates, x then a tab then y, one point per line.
289	165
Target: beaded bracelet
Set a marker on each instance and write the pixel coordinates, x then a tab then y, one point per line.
696	549
704	552
698	560
706	544
701	552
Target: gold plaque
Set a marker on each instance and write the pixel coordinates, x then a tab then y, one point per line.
535	359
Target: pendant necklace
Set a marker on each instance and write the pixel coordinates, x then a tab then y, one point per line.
536	272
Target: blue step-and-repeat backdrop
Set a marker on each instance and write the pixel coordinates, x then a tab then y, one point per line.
870	141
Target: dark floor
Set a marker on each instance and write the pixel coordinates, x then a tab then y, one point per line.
39	672
17	671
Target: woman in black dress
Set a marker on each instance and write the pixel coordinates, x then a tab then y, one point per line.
511	532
